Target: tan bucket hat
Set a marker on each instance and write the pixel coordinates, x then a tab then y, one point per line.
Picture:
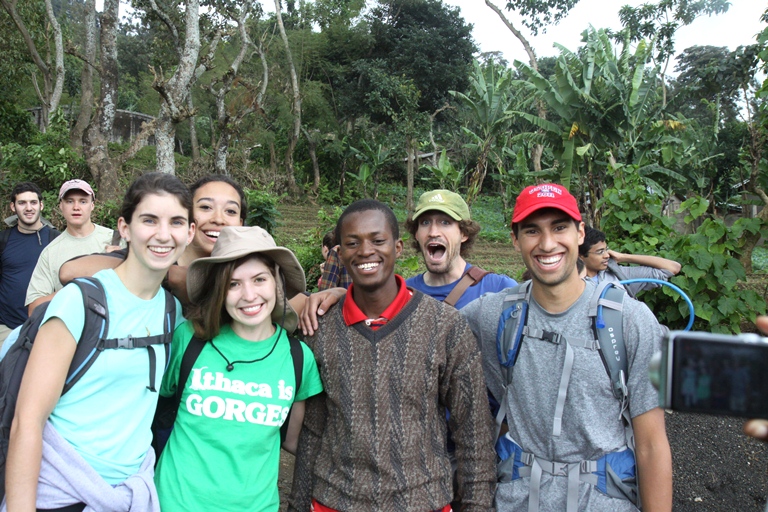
233	243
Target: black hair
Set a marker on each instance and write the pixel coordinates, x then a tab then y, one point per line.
592	237
155	183
329	239
366	205
26	186
223	178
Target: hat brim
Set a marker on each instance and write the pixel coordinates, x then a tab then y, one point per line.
534	208
438	208
295	282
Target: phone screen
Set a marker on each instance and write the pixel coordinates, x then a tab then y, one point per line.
720	377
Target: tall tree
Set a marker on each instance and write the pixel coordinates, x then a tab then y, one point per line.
52	72
295	133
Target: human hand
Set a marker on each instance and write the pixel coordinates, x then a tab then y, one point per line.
317	304
616	255
758	428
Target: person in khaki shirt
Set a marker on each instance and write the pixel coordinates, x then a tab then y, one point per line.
82	236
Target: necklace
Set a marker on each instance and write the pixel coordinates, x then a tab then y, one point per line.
231	364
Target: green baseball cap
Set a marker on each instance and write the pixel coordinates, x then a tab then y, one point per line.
450	203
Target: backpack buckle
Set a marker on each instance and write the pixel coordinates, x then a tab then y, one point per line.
126	342
551	337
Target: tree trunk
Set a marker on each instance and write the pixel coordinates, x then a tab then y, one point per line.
193	130
51	94
96	137
757	140
86	77
312	145
478	176
541	111
227	124
175	90
295	107
411	148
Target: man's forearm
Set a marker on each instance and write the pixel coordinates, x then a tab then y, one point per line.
651	261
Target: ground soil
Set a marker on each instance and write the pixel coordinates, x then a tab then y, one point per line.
716	467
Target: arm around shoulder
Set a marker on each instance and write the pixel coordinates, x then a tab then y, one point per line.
654	461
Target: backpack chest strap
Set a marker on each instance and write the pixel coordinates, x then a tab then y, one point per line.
129	342
565	376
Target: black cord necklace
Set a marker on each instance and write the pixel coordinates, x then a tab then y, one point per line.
231	365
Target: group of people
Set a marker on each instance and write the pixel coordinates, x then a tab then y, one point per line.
401	396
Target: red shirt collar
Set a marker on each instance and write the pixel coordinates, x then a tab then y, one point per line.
353	314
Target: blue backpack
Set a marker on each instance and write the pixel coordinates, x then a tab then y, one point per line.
91	344
614	473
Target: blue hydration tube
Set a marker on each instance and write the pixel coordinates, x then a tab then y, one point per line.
601	324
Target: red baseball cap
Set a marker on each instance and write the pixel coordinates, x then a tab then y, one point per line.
546	195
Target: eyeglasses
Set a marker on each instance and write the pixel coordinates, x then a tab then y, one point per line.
600	252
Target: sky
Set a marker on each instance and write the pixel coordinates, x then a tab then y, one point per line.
738	26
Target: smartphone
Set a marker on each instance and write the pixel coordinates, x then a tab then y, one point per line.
709	373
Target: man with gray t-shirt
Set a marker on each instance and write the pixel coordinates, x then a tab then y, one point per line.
564	433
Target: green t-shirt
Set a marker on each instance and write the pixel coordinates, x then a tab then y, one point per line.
224	451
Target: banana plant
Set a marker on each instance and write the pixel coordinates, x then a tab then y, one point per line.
489	97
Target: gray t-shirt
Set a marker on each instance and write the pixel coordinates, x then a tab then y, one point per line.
591	425
616	273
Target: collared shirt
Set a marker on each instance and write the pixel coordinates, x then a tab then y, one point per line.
353	314
334	273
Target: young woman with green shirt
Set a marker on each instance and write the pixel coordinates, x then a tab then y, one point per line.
224	450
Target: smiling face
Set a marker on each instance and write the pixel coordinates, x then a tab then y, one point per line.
596	259
548	241
216	204
158	232
440	239
251	299
77	206
28	208
369	250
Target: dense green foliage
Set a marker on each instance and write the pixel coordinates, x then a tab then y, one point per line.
712	275
380	81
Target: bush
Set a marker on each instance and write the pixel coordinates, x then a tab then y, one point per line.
712	275
262	210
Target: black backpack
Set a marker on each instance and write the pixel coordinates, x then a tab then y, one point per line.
168	406
90	345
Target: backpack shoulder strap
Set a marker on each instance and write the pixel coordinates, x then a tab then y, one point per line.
4	235
514	316
606	310
95	327
470	278
297	355
52	234
191	354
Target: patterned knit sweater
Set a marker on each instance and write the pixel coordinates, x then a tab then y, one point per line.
375	440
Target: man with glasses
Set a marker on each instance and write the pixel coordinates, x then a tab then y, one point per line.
603	264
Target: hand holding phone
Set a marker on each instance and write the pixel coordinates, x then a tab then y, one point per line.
709	373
